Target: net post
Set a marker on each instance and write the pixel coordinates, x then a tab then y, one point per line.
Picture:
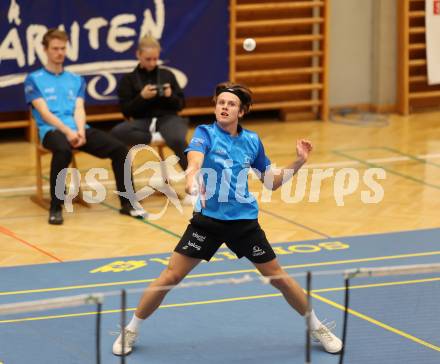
344	327
308	312
123	320
98	332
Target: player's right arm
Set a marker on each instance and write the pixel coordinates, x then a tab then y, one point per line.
195	162
198	147
40	105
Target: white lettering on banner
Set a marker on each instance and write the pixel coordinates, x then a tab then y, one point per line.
93	26
72	51
34	37
150	26
118	32
11	48
111	85
14	13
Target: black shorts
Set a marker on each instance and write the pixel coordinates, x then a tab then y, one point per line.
204	236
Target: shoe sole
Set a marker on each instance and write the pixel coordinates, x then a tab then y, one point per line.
122	354
55	222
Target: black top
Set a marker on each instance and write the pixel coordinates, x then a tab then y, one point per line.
134	106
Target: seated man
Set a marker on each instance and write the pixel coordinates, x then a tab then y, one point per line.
57	99
150	94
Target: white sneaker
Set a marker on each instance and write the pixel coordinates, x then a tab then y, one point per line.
130	339
331	343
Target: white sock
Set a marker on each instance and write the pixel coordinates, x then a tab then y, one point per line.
156	137
315	324
134	324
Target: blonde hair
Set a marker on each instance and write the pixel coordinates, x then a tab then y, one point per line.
147	41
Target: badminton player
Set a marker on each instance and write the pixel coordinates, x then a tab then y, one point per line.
220	156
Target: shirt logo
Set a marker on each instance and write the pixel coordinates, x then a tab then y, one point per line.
220	151
197	141
28	89
247	161
71	94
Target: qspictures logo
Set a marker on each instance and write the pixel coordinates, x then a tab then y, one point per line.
436	7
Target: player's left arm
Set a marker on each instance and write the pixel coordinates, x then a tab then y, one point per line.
80	119
79	114
274	178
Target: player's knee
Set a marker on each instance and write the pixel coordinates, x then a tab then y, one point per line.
171	277
280	283
176	143
119	152
278	279
63	155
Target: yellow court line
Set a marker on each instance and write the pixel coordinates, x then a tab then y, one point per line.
172	305
201	275
377	323
373	285
363	260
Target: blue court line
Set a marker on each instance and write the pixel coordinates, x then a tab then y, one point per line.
386	169
295	223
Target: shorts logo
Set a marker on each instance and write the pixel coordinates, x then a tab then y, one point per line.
257	251
194	245
199	237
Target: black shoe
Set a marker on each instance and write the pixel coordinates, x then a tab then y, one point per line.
56	216
133	212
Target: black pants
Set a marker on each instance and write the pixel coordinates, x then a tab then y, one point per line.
173	129
204	236
98	144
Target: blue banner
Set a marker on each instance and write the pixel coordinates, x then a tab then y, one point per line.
103	40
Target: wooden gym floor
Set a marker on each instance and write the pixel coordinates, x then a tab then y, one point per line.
407	148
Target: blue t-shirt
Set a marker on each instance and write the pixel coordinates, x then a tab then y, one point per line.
60	93
225	170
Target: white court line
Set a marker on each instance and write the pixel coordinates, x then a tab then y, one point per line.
309	166
46	187
373	161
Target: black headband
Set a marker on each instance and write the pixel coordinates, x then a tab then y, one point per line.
244	98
